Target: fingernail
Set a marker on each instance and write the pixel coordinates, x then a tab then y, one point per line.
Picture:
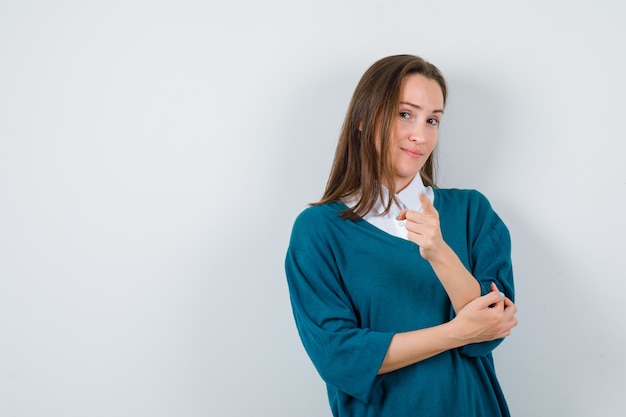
423	191
501	294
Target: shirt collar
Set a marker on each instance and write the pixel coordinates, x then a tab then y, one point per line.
407	198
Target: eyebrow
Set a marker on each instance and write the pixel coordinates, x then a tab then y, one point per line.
419	107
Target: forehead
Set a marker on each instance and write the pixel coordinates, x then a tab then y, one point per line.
422	91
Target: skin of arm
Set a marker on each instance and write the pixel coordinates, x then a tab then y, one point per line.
489	317
478	319
423	229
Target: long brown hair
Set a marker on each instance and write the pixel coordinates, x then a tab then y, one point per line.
359	168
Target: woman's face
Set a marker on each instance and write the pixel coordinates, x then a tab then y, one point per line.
416	128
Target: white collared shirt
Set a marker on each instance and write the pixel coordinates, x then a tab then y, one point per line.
408	199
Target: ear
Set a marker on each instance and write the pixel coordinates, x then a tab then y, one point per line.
360	126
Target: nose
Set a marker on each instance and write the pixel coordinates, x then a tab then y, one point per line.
417	133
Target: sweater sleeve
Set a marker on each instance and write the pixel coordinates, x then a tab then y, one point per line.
346	356
491	262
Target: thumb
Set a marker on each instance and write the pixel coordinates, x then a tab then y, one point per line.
427	205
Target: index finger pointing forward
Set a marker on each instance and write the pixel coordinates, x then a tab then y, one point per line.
427	205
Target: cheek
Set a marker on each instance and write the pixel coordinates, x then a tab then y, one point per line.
433	139
399	131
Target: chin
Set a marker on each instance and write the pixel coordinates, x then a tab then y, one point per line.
402	181
408	174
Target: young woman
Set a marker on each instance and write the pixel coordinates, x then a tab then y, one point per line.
401	290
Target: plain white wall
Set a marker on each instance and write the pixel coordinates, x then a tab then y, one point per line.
154	154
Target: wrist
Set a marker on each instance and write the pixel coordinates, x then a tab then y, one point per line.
443	256
454	332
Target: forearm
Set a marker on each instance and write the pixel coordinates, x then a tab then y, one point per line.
486	318
458	282
415	346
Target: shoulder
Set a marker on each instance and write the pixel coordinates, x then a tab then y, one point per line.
462	199
317	222
323	213
469	206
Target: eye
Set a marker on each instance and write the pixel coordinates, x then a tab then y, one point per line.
432	121
405	115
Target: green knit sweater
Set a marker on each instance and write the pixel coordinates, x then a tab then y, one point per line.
352	286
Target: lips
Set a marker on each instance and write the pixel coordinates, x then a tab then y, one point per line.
412	153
